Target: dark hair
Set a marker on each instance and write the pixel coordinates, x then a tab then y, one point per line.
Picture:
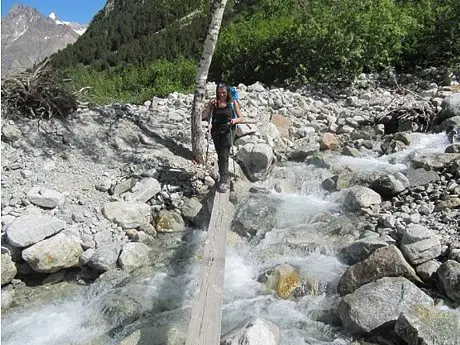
223	84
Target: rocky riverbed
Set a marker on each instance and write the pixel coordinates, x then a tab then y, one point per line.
109	195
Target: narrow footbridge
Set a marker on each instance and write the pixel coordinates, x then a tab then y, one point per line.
206	317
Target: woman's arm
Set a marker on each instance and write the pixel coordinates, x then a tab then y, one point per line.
240	118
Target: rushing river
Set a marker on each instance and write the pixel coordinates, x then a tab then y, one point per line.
161	300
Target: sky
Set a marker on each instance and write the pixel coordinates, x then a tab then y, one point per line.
80	11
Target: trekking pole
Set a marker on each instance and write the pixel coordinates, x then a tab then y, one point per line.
208	136
232	152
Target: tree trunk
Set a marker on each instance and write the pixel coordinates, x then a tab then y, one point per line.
217	12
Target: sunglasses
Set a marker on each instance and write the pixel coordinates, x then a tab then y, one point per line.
222	85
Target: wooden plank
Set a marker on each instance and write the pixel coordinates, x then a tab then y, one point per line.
205	323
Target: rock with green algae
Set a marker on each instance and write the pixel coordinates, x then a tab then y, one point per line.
283	279
169	221
424	325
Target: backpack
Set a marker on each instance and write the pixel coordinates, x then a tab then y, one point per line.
236	98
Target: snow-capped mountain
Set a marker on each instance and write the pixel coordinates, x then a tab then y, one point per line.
77	27
28	37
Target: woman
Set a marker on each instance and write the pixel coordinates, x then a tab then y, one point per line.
219	112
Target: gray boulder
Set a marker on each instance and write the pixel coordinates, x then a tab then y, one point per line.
359	196
434	161
449	275
422	251
255	217
351	151
384	262
427	270
127	214
53	254
104	258
124	186
390	185
146	189
134	255
379	303
10	133
255	159
423	325
450	107
30	229
420	244
254	331
46	198
420	177
454	148
415	232
8	269
191	209
360	250
303	148
450	123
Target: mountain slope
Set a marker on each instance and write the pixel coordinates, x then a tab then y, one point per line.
28	37
139	32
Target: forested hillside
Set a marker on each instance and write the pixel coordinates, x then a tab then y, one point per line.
145	47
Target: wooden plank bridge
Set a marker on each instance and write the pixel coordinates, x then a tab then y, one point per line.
206	317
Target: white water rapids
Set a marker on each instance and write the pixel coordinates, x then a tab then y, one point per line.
82	319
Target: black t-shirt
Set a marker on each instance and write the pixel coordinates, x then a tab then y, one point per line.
221	118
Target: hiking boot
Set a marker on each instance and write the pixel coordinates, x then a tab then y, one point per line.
222	187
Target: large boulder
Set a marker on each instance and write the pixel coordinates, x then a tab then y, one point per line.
420	177
8	269
384	262
360	250
53	254
10	133
191	209
359	196
303	148
46	198
30	229
434	161
127	214
255	159
169	221
256	216
449	275
450	107
104	258
450	123
420	244
379	303
282	123
449	203
422	251
329	141
146	189
423	325
134	255
390	185
283	279
254	331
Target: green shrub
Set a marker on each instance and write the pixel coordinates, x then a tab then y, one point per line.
334	40
133	84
